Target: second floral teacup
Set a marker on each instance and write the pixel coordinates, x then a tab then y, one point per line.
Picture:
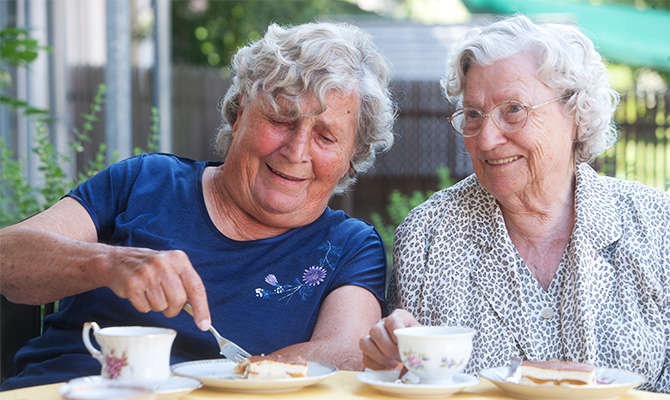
435	353
137	355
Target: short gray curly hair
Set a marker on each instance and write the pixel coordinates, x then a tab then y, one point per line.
568	63
314	59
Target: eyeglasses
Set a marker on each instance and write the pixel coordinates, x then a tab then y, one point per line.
509	117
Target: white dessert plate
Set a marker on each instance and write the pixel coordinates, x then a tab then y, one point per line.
217	374
612	384
388	383
174	388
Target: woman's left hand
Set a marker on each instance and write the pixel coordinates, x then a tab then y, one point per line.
380	346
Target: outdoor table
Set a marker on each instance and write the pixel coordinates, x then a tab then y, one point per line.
341	386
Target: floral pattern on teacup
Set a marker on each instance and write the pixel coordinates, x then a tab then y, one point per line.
415	360
115	364
451	363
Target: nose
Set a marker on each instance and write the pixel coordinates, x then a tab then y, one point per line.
490	136
296	147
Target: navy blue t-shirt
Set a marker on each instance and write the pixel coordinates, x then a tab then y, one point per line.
263	294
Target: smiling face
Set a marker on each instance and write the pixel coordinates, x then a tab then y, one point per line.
535	162
282	172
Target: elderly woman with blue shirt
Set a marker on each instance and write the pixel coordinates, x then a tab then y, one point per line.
250	242
545	258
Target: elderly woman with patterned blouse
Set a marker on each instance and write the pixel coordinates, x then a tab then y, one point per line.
537	252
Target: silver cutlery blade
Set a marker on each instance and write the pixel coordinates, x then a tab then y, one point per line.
233	352
512	375
227	348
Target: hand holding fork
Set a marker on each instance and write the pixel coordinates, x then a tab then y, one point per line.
227	348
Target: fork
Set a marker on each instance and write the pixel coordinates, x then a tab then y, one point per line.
227	348
514	366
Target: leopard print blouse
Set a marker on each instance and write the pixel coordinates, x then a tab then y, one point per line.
609	303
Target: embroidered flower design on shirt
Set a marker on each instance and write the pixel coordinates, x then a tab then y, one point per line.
271	279
311	277
314	275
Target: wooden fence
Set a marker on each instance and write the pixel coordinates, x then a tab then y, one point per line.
423	140
642	151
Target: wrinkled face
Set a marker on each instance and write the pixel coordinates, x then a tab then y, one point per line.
533	161
283	172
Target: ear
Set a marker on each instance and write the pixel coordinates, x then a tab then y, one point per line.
579	131
240	111
350	166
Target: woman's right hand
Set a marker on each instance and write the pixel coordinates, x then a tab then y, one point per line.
380	346
161	281
60	256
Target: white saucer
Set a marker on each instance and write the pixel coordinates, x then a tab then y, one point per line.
217	374
174	388
388	383
612	384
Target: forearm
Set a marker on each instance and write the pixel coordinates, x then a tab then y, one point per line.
38	266
346	357
56	254
346	316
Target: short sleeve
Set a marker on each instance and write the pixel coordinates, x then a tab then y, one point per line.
105	195
364	261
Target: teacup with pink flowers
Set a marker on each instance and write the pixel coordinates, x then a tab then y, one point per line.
137	355
435	353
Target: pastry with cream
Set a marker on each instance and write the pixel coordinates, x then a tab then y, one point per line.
557	373
272	367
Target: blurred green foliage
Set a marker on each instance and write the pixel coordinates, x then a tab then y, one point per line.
17	49
19	198
400	204
210	32
641	4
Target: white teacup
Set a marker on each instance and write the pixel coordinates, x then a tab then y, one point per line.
435	353
137	355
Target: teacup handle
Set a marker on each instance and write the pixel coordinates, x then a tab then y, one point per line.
85	334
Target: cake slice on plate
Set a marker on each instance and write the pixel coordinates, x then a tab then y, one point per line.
557	373
272	367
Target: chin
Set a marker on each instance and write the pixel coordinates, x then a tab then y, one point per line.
501	188
281	208
292	207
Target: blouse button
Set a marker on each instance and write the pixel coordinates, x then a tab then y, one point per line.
547	313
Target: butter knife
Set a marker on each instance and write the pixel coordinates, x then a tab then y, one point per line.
227	348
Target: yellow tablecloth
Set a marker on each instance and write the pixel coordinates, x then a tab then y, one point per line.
341	386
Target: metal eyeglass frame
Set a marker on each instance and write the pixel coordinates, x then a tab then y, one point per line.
526	108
